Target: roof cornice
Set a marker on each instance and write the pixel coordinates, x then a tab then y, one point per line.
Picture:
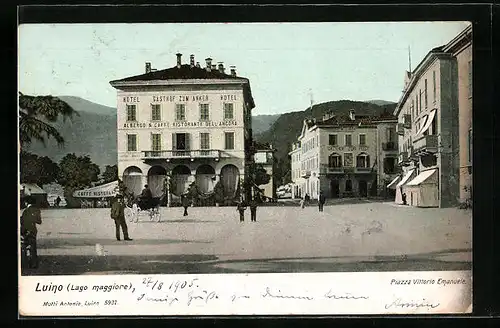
117	84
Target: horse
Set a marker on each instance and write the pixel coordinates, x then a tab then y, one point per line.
135	205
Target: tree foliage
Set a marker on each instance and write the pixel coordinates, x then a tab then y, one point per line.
36	169
110	173
35	115
77	171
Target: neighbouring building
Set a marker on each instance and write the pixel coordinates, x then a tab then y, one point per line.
264	155
461	48
344	156
186	123
435	128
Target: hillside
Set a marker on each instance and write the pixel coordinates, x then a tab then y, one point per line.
262	123
287	127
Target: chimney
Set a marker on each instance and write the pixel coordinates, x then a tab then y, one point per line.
209	64
351	115
221	67
191	61
233	70
179	55
148	67
198	64
214	67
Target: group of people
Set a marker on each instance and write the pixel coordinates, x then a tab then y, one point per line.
241	207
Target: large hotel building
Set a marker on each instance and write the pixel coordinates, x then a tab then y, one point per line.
188	123
435	127
345	155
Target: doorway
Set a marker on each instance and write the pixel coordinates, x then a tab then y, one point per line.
363	188
334	189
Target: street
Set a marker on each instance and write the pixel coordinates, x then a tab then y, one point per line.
365	236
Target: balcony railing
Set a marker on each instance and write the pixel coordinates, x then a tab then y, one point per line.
400	129
363	169
391	145
332	170
425	145
172	154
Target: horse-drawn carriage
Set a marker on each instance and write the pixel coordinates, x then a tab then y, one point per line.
137	206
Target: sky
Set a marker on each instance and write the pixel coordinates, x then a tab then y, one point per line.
287	63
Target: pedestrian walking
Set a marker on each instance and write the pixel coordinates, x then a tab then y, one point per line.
185	203
321	201
118	214
30	217
241	208
58	201
253	210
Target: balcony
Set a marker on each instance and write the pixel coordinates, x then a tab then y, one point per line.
400	129
181	154
333	170
426	145
363	170
388	146
407	121
305	173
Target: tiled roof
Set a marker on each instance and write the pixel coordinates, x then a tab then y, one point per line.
184	72
358	119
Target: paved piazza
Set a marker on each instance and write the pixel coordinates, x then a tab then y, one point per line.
346	237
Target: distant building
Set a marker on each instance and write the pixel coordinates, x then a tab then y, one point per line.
264	155
344	156
187	122
434	142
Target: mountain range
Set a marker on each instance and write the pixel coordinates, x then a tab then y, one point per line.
93	131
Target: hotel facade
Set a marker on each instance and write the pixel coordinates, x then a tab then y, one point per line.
344	156
187	123
434	127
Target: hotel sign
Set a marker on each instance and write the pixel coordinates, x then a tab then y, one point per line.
178	124
179	98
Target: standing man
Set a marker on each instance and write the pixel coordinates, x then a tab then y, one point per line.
185	203
253	210
118	214
321	201
241	209
29	219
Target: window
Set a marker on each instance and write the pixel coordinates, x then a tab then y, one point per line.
131	142
362	139
425	92
469	147
229	140
131	113
155	112
204	114
470	77
228	111
363	160
156	142
389	165
180	112
332	140
348	160
416	104
348	140
412	111
204	140
420	99
391	133
434	85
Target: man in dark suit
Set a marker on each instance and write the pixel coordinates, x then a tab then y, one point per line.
253	210
321	201
118	214
29	219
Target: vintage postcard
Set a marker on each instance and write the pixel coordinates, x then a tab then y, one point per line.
245	168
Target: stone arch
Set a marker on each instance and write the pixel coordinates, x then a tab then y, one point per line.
181	175
132	178
205	178
229	177
156	179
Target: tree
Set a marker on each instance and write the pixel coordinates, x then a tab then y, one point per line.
110	173
77	171
38	170
35	115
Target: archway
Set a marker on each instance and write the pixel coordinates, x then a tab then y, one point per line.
132	178
204	176
363	188
334	188
156	180
180	179
229	177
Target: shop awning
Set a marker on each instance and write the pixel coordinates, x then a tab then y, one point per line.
405	178
428	122
105	190
422	177
392	185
